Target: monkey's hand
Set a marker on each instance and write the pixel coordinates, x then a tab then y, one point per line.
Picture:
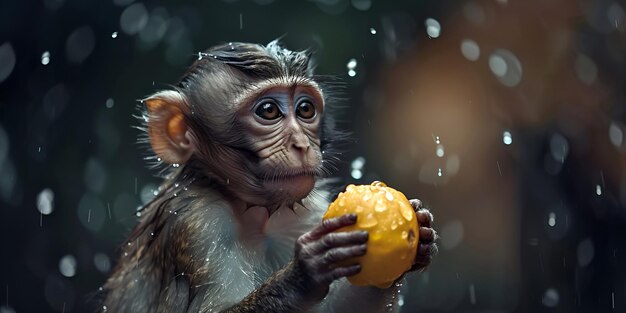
319	250
427	248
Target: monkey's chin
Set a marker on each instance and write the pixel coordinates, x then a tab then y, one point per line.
292	188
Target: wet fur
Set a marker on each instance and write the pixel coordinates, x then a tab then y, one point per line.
185	254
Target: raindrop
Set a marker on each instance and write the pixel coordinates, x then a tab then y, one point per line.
134	18
114	35
372	31
352	63
358	163
148	192
470	49
351	73
433	28
586	69
598	190
440	151
507	138
559	147
506	67
615	15
431	172
362	5
7	60
437	140
45	201
109	103
616	135
400	300
585	252
102	262
91	212
356	173
452	235
472	294
67	266
80	44
550	298
552	219
45	58
497	65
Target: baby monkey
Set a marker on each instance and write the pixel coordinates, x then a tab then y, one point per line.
236	226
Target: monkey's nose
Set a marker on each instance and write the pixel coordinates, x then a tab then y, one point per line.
299	145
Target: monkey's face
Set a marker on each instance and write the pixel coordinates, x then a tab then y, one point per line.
282	126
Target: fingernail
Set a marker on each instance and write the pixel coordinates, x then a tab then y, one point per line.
353	217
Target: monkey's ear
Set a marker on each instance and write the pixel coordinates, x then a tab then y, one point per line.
169	136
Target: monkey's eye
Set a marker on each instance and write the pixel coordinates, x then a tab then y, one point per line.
268	110
305	110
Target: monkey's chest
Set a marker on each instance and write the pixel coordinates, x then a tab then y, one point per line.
250	257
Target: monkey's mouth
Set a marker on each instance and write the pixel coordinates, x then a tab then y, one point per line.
288	175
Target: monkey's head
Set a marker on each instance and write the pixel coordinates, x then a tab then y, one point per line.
248	116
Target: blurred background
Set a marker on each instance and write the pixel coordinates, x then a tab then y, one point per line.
505	116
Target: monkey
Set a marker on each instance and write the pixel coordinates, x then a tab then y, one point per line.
246	146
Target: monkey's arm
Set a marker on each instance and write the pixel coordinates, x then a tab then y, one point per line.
306	279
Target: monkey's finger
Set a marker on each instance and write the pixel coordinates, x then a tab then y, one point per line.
343	253
339	272
337	239
421	261
416	204
427	235
332	224
424	217
427	249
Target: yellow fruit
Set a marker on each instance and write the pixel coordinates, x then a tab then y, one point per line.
391	222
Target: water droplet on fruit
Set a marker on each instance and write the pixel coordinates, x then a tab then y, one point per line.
407	213
367	196
389	196
380	207
369	221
